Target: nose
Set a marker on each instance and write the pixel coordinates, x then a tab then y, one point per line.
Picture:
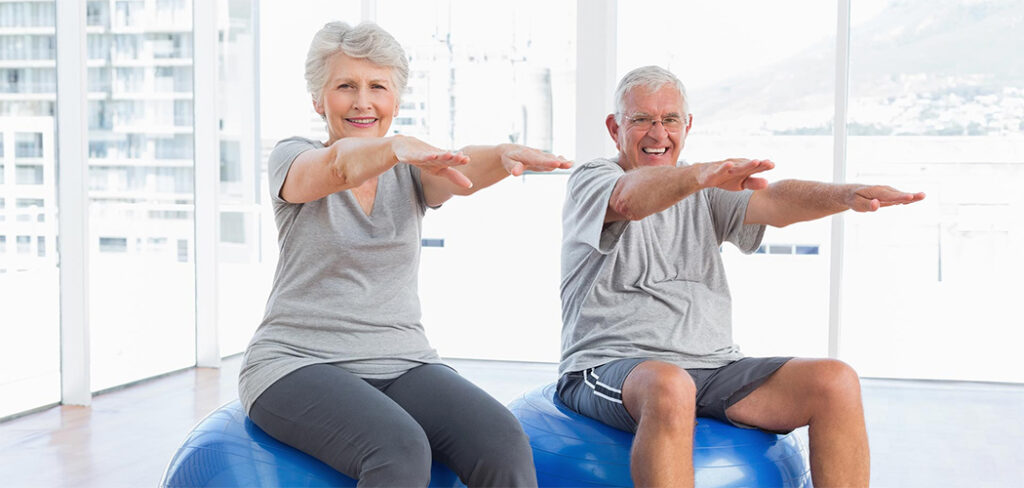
362	99
657	130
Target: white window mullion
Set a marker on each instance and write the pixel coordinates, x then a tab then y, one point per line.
73	204
839	175
207	178
596	49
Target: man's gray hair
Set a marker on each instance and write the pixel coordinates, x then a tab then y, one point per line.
652	78
366	40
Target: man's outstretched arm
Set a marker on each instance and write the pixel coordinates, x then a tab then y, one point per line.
648	190
790	201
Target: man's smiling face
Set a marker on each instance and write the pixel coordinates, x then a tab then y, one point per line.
652	129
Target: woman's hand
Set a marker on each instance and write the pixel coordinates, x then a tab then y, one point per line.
516	159
430	159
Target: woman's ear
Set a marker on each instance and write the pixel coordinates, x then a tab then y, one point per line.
318	106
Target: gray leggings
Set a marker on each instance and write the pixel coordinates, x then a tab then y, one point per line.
387	432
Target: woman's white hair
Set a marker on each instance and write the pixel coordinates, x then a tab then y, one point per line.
366	40
652	78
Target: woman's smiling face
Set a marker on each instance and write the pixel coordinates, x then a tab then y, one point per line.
359	99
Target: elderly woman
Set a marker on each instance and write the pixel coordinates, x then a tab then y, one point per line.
340	368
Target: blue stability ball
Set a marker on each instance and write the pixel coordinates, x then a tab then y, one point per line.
227	449
572	450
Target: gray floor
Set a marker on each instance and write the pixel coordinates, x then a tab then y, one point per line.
923	434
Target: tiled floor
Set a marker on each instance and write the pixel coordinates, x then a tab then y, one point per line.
923	434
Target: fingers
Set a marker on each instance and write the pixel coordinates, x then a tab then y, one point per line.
735	174
516	169
535	161
456	158
418	153
754	183
439	159
887	196
455	176
751	166
862	203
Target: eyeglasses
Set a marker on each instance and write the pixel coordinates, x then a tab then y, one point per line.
644	122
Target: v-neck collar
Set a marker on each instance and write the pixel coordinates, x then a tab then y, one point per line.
373	205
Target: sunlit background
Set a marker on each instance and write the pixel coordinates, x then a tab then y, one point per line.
935	104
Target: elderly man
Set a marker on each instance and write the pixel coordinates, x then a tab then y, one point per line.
646	339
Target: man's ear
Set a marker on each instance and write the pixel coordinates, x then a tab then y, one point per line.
613	129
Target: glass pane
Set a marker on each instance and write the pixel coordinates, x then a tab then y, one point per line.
286	28
490	73
757	96
142	277
248	244
29	277
930	289
247	248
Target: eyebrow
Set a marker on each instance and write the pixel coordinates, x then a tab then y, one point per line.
645	114
343	79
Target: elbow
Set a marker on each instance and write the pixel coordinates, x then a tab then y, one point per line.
344	175
623	205
342	178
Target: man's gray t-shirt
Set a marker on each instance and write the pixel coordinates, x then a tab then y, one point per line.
345	289
653	288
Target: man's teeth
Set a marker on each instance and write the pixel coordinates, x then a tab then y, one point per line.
651	150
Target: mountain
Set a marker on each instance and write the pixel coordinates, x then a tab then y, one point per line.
943	67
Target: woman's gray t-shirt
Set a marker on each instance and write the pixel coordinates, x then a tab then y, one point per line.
345	289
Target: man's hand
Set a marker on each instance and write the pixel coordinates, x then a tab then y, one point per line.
871	198
430	159
734	174
516	159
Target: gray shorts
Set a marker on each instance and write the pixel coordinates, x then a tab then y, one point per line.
597	392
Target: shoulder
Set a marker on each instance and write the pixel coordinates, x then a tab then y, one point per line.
597	168
297	142
611	164
286	150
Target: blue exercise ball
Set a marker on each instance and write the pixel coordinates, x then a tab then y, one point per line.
572	450
226	449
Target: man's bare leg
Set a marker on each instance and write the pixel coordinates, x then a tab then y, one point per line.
661	397
824	394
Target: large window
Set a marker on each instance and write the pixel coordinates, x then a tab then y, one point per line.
142	277
937	105
486	73
29	277
247	247
756	96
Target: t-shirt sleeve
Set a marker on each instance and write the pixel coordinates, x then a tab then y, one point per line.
417	183
586	203
728	210
280	161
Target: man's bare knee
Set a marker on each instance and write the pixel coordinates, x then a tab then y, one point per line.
661	392
836	383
